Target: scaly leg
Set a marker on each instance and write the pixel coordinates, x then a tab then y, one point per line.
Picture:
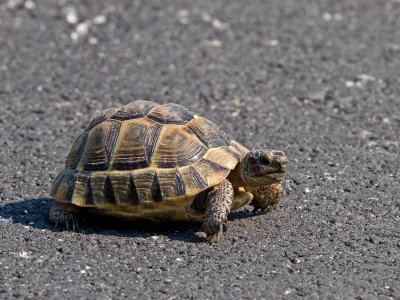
265	196
64	213
218	207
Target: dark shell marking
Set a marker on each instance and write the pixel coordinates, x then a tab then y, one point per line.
133	110
170	114
143	153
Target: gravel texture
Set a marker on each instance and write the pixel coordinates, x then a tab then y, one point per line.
318	79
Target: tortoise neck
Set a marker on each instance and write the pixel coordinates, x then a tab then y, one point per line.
236	177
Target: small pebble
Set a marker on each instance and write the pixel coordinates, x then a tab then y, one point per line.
273	43
100	19
288	291
74	36
24	254
327	16
30	5
206	17
215	43
71	15
82	28
93	41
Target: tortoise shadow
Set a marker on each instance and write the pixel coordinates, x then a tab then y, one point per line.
34	213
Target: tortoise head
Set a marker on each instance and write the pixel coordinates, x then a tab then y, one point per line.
262	167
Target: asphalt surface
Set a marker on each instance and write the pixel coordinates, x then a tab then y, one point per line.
317	79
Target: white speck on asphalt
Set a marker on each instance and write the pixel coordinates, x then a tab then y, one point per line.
24	254
273	43
307	190
100	19
217	24
366	77
215	43
30	5
74	36
288	291
327	16
182	16
82	28
206	17
93	41
71	15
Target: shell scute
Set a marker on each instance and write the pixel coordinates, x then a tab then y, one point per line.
75	154
176	148
136	144
101	117
170	113
133	110
100	146
208	133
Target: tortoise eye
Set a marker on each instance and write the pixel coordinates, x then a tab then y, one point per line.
265	161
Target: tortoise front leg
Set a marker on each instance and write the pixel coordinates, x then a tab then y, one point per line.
218	207
64	213
265	196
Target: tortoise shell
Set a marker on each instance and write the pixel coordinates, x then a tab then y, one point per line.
144	154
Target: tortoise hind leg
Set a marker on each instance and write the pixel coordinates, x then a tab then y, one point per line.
218	207
64	213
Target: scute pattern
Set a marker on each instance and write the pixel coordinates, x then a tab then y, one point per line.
170	113
144	153
101	117
100	146
208	133
176	148
133	110
136	143
76	151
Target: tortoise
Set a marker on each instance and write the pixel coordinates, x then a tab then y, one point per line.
163	163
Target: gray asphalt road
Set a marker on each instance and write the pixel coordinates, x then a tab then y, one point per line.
318	79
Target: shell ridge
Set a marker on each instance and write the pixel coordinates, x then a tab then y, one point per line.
109	191
198	179
152	142
71	186
112	138
132	192
78	154
179	184
88	191
155	189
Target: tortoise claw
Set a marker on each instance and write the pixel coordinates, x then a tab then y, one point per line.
262	210
216	237
64	218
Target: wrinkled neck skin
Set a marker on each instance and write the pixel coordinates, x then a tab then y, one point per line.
236	177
